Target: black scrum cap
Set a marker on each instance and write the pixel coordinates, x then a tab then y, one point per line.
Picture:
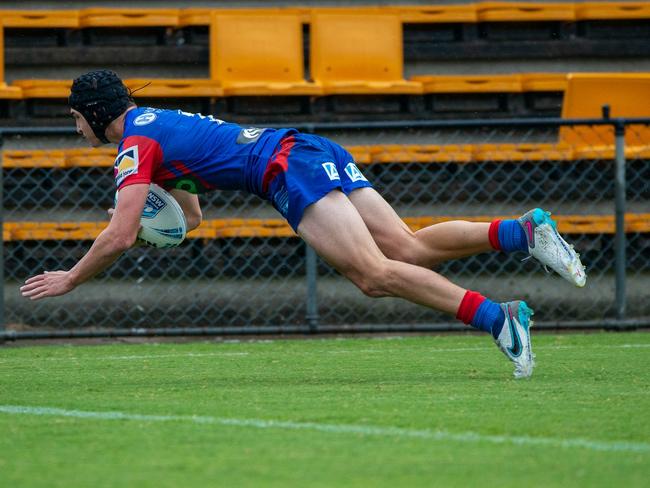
101	97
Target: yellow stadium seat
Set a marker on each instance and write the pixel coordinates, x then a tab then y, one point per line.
524	11
432	14
10	92
6	92
251	228
469	83
536	82
523	152
201	16
567	224
420	153
174	87
75	231
128	17
228	228
155	87
36	158
628	95
40	18
609	152
259	55
359	54
525	82
194	16
44	88
612	10
89	157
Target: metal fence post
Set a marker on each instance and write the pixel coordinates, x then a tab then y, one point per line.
620	239
2	246
312	299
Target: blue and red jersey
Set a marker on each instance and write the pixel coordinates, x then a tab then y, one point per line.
176	149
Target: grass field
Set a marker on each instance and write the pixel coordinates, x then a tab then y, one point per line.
401	412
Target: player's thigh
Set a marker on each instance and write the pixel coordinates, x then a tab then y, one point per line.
336	231
392	235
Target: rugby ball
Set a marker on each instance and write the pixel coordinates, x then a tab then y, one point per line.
163	221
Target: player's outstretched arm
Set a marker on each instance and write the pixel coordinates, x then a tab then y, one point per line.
120	235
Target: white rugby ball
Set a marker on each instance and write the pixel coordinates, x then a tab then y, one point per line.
163	221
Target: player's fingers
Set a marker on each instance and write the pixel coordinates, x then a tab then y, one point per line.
39	296
35	291
30	287
34	279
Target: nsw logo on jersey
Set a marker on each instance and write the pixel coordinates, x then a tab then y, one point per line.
330	169
354	173
126	164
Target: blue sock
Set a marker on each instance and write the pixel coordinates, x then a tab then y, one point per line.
512	236
489	317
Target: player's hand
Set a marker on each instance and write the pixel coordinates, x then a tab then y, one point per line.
48	284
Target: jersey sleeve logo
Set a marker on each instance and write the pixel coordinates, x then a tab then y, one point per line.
126	164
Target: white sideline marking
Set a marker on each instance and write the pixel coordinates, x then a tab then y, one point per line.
173	355
367	430
141	356
339	351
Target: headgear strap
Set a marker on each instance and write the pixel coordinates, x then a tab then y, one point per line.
101	97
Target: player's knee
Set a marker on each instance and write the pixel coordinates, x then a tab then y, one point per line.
374	281
193	220
406	249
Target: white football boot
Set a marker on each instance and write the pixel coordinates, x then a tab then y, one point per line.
514	338
548	247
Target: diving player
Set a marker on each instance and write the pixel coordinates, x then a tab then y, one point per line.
315	184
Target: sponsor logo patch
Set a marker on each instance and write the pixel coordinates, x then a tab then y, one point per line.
252	134
330	169
126	164
145	119
354	173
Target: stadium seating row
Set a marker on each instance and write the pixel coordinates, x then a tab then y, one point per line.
350	53
365	154
477	12
228	228
180	88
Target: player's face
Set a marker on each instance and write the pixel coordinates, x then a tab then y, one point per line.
84	129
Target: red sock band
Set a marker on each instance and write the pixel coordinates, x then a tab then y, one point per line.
469	305
493	235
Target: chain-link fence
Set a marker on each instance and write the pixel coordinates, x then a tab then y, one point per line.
246	272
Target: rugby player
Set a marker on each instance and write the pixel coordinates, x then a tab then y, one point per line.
316	186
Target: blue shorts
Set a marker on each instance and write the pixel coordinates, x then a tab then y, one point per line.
303	169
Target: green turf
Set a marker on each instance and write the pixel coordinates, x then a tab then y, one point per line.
591	387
